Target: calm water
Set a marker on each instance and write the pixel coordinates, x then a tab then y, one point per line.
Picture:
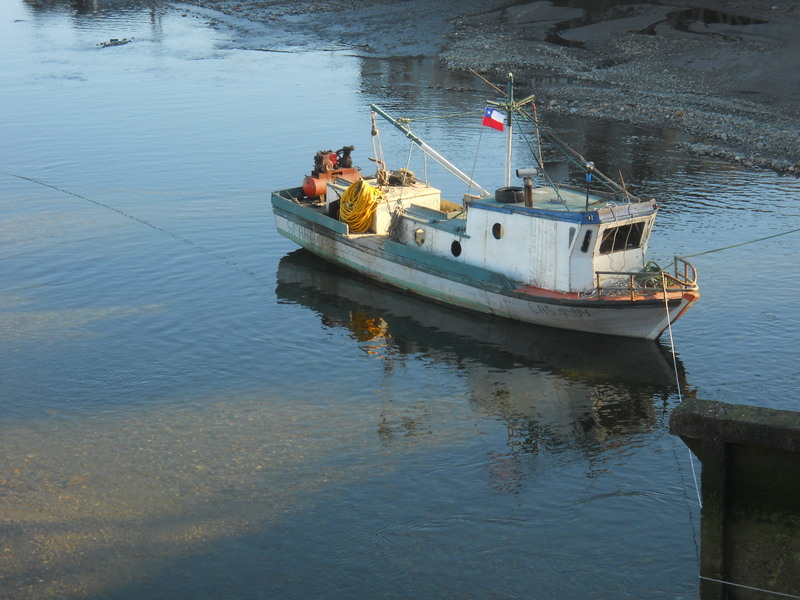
191	408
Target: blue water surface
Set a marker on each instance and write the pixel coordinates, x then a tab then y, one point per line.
192	408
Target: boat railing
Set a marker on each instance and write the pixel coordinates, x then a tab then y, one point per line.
647	282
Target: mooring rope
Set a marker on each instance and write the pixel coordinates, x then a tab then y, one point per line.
677	378
691	458
669	326
174	236
680	399
750	587
769	237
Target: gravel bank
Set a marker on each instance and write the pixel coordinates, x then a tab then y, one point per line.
725	73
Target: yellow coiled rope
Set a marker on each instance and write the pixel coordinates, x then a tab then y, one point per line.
357	205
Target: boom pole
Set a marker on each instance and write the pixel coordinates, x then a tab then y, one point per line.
431	152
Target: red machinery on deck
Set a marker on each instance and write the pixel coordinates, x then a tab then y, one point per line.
328	166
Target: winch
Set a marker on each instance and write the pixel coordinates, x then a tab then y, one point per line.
330	165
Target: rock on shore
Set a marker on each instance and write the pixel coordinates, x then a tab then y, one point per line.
724	72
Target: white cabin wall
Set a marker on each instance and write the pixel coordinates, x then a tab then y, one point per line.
543	266
582	266
437	242
506	255
441	243
563	244
480	245
526	252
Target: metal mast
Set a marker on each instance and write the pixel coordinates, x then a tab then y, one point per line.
509	130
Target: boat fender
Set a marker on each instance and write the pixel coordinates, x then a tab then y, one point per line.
510	195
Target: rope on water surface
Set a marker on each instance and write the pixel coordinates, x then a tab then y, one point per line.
769	237
749	587
174	236
691	458
669	326
677	379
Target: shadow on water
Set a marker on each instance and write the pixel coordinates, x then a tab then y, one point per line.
552	388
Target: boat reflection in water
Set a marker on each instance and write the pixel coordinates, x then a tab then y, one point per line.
552	388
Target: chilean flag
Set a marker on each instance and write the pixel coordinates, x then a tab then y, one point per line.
494	118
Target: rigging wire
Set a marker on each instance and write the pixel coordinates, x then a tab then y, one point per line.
475	162
397	211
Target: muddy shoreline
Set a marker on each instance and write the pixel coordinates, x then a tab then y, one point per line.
725	73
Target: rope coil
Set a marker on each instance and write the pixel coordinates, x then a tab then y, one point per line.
357	205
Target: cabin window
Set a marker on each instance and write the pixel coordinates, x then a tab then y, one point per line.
572	231
624	237
586	239
455	248
419	236
497	231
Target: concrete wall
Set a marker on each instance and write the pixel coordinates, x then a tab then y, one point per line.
750	484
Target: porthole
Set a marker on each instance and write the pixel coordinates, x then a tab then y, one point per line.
497	231
419	236
455	248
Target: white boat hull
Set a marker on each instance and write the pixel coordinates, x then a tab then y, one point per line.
471	288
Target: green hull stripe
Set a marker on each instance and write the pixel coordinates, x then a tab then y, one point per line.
447	268
280	202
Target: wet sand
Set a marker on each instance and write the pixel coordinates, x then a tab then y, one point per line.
723	74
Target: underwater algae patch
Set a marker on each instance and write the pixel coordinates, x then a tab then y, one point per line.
39	326
91	504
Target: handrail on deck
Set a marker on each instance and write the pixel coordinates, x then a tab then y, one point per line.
649	282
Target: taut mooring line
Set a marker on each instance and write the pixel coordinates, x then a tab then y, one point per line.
769	237
174	236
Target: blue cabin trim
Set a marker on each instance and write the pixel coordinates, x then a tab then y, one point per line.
583	216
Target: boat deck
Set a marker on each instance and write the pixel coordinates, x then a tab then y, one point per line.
452	222
566	198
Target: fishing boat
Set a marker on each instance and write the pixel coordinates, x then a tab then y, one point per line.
545	252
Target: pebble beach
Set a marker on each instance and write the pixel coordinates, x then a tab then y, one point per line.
722	74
